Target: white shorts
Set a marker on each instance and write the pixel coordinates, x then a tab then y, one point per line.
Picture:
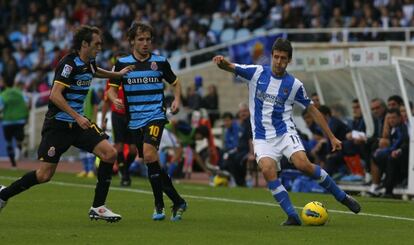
278	147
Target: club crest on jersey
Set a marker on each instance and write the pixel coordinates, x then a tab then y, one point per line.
67	69
154	66
51	152
285	91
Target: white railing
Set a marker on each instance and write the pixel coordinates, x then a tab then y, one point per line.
344	31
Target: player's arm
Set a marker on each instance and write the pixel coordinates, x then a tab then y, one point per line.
171	78
224	64
105	106
175	105
102	73
113	96
320	120
56	97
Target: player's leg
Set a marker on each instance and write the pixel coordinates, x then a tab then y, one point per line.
120	131
19	136
267	154
154	175
39	176
50	149
152	137
8	135
269	169
302	163
94	140
107	153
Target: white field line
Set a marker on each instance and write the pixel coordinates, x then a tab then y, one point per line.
218	199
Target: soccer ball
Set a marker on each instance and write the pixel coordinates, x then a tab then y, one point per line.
314	213
220	181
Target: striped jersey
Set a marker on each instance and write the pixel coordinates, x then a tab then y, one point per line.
144	88
271	100
76	76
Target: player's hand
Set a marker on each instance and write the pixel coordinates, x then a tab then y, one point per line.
83	122
103	125
119	104
218	59
175	106
336	144
126	70
396	153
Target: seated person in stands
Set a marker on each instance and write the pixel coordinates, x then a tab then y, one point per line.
393	159
316	146
334	160
380	138
354	147
241	158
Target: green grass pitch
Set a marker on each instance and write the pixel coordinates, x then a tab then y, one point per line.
56	213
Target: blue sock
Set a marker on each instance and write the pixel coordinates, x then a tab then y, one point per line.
281	196
171	169
326	181
91	163
85	164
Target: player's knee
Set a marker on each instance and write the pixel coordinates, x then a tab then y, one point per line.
43	177
110	155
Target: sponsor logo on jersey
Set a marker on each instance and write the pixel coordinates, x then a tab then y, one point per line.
82	83
145	80
67	69
265	97
154	66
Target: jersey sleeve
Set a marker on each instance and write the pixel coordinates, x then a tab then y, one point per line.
64	72
116	82
168	74
245	71
301	98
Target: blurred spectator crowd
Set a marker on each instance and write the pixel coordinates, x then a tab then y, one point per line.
34	35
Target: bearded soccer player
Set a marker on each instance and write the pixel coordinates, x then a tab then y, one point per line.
65	125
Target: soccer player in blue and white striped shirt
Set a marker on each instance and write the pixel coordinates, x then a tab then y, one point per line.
272	93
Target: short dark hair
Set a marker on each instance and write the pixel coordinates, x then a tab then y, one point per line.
355	101
135	26
227	115
380	101
394	110
396	98
326	111
84	33
282	44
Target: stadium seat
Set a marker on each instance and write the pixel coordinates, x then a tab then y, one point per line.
259	32
48	45
242	33
217	24
227	35
174	60
33	57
